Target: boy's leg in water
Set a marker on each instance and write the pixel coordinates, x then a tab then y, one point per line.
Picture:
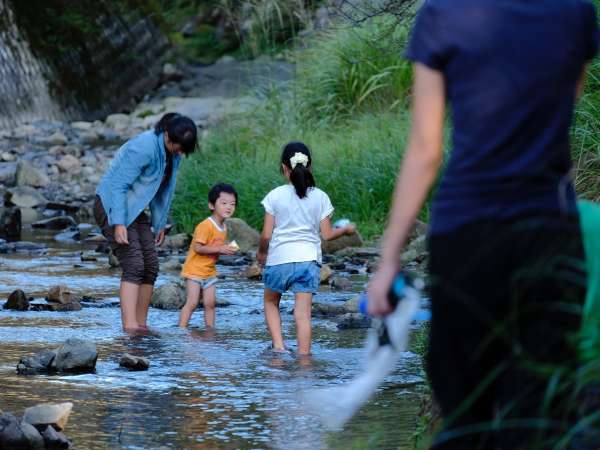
302	315
272	317
209	302
192	292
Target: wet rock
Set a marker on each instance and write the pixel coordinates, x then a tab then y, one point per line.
177	242
55	223
113	261
89	137
38	363
55	440
134	363
327	310
352	305
88	258
346	241
168	296
49	414
69	164
416	251
172	265
17	301
7	157
77	356
61	294
72	235
341	283
11	434
29	215
57	307
246	237
25	196
82	126
66	207
57	138
353	321
10	223
8	174
326	273
117	121
27	175
28	247
253	272
33	436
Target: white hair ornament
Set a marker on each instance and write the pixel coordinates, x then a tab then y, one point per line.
298	158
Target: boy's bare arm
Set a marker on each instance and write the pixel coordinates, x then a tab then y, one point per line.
213	249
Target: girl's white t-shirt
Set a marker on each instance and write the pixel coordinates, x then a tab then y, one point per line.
296	235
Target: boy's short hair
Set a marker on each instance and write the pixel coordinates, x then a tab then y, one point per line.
215	192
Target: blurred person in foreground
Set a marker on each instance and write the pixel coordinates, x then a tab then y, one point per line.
507	282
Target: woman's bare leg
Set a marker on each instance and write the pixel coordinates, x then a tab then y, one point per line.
143	304
129	294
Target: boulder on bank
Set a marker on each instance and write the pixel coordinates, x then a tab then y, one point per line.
346	241
76	356
239	231
53	414
134	363
17	301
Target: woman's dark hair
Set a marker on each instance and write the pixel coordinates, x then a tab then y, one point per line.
215	192
181	129
301	176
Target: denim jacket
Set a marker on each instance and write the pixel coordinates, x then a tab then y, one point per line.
133	181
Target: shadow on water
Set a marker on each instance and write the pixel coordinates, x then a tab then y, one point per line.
204	389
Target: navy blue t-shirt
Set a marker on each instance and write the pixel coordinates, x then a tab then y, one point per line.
511	69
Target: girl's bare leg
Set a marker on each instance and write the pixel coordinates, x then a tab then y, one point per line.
302	314
273	318
192	290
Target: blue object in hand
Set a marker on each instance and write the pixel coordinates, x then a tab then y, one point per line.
341	223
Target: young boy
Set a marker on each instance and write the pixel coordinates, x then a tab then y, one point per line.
206	246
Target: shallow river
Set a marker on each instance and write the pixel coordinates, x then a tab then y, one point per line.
203	390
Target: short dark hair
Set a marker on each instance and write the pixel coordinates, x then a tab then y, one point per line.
182	130
215	192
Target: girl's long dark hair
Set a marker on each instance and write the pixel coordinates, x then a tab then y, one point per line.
300	176
181	129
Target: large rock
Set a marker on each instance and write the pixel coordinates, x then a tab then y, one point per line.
246	237
57	307
61	294
33	436
29	215
353	321
55	223
25	196
8	174
345	241
54	414
39	363
11	435
341	283
253	272
134	363
69	163
76	355
118	121
17	301
27	175
177	242
57	138
10	223
168	296
327	310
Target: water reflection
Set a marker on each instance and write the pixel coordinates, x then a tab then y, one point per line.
204	389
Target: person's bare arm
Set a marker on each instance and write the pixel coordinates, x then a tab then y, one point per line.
265	238
328	233
419	169
214	249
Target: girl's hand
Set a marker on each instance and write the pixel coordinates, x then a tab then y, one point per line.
160	237
379	287
121	234
261	257
227	250
350	229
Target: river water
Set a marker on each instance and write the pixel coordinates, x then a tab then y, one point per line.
203	390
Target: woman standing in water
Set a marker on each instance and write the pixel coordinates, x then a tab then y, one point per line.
504	239
142	174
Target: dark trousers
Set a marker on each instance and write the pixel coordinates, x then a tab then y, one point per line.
506	306
139	259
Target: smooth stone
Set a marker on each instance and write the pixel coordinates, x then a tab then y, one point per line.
325	274
253	272
352	305
11	434
341	283
68	236
61	294
27	175
33	436
26	197
134	363
177	242
346	241
76	355
353	321
69	163
54	414
17	301
55	440
169	296
327	310
38	363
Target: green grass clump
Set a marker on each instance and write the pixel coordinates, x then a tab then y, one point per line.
355	163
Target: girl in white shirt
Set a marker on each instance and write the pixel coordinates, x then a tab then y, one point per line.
290	246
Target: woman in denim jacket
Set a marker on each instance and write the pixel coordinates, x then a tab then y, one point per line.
142	174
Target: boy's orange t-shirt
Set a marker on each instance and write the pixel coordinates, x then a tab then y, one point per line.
209	233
